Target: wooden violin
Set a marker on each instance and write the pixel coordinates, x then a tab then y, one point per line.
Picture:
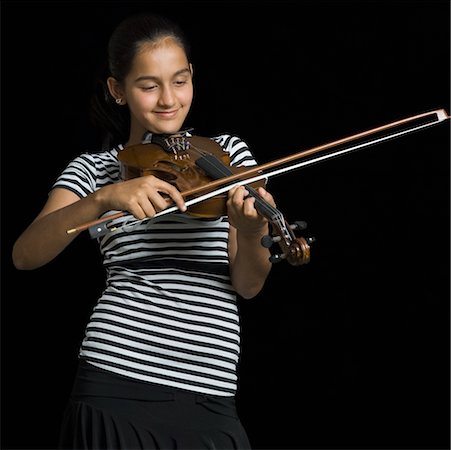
190	163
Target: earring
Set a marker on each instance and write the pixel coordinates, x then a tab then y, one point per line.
119	101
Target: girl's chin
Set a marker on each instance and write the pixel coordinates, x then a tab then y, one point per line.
166	126
165	130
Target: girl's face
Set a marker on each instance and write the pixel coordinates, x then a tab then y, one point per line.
158	89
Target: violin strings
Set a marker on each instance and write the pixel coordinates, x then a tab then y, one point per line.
225	171
266	209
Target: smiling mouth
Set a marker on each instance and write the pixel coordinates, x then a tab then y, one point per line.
166	114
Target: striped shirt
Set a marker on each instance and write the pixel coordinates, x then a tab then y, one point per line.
168	314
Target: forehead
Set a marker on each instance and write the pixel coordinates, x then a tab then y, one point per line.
163	51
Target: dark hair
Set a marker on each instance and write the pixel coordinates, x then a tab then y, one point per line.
125	41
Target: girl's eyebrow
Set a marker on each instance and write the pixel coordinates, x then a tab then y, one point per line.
152	78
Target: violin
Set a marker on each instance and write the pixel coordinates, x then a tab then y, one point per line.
200	169
190	163
187	162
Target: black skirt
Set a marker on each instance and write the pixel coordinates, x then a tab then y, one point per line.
109	411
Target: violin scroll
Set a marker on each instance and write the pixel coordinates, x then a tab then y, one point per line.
295	250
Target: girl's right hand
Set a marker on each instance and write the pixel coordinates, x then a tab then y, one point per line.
140	196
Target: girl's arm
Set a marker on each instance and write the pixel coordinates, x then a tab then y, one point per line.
46	237
249	260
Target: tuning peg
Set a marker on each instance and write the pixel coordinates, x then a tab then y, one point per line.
267	240
299	225
276	258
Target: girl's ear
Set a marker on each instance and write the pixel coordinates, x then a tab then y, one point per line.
116	90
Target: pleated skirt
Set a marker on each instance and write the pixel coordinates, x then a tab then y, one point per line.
109	411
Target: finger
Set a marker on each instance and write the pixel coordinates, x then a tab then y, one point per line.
266	196
148	202
141	213
263	192
237	194
175	196
162	186
231	192
178	200
249	207
154	203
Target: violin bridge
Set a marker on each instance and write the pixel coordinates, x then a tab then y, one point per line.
177	144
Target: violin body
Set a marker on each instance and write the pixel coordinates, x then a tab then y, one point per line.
178	159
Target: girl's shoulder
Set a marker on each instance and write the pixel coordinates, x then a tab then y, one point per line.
237	148
95	160
101	155
229	141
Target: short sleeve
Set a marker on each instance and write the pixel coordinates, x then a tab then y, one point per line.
79	176
238	150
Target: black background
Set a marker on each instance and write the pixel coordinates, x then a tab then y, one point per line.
349	351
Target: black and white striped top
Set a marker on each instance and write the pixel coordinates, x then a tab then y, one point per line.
168	314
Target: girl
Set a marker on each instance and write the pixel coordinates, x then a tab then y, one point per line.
158	363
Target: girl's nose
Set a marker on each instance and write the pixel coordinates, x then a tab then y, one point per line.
167	97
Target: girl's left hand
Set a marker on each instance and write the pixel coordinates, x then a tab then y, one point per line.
242	212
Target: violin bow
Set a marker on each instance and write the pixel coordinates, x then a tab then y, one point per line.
256	173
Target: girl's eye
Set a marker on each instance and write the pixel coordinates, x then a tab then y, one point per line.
180	82
148	88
